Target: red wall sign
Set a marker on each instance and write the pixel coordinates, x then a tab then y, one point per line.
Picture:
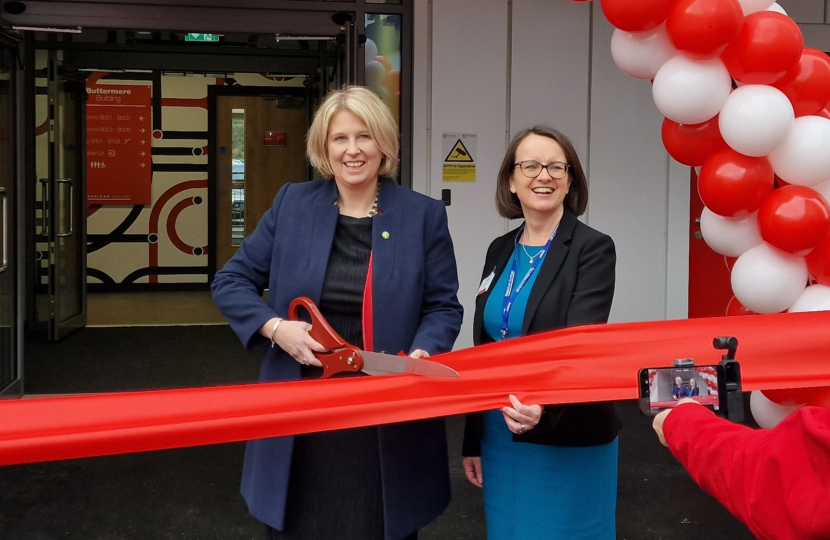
118	139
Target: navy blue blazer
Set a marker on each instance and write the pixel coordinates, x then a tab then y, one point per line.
414	288
575	285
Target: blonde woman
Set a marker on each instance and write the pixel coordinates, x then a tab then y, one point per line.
322	239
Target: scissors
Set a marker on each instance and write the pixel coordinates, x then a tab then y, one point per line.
344	358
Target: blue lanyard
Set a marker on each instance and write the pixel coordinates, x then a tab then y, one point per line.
509	294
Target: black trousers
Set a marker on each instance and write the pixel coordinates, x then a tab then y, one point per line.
273	534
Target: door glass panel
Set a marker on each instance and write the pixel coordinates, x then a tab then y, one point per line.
237	176
8	360
69	280
383	71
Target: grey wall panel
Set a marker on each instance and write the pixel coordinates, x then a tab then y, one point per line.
549	75
629	177
804	11
469	95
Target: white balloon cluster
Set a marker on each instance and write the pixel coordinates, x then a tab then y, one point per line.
746	102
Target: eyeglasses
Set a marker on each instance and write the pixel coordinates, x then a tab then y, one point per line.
532	169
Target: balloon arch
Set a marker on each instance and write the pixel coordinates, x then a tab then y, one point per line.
746	104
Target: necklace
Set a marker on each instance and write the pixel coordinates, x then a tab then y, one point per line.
372	211
532	257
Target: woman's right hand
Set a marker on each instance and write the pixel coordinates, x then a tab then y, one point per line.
472	468
293	338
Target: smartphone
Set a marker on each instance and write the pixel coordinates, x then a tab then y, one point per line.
662	388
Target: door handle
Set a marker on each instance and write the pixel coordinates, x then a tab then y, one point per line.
46	211
63	230
4	265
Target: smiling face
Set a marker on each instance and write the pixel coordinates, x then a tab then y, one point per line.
692	383
353	154
542	195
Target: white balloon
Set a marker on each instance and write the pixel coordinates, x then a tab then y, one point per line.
824	189
755	119
730	236
768	413
371	50
814	298
642	54
777	8
751	6
804	156
691	91
767	280
375	72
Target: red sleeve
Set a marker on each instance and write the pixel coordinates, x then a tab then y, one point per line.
775	481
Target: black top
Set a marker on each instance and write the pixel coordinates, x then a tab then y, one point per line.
334	490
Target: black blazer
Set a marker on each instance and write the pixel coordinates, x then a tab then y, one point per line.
575	286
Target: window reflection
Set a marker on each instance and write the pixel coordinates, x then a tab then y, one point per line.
383	59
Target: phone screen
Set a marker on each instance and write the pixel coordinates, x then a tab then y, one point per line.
662	388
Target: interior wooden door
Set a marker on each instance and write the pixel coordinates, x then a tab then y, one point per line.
271	155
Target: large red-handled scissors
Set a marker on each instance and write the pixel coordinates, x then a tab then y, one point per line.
341	357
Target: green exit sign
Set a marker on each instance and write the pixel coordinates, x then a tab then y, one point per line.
201	37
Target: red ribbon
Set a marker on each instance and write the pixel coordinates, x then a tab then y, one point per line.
587	363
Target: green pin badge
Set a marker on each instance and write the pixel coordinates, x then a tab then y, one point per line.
385	235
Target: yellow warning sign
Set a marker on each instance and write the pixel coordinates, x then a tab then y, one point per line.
459	154
460	161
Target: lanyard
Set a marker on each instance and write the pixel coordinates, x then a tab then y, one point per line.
509	294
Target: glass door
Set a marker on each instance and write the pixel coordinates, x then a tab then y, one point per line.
10	369
64	197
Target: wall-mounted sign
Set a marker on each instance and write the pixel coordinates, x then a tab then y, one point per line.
118	139
201	37
274	138
459	150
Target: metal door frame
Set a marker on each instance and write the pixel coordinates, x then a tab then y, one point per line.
12	231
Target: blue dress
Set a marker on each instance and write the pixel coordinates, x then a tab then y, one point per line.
536	491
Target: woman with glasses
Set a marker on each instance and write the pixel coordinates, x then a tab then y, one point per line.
548	471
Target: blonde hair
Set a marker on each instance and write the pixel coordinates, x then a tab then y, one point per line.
367	106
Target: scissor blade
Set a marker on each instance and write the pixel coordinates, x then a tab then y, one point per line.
383	364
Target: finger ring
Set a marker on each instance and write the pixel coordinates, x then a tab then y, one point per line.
304	362
522	428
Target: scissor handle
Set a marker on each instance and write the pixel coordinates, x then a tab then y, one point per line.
321	331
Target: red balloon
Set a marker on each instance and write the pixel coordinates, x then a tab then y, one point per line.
807	85
735	309
818	262
794	219
825	112
703	28
768	46
734	185
636	15
794	396
691	144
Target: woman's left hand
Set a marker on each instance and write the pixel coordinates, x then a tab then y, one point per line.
521	418
418	353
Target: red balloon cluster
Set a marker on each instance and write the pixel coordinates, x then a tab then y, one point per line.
702	41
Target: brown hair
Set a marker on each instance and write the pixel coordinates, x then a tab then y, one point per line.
364	104
508	203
